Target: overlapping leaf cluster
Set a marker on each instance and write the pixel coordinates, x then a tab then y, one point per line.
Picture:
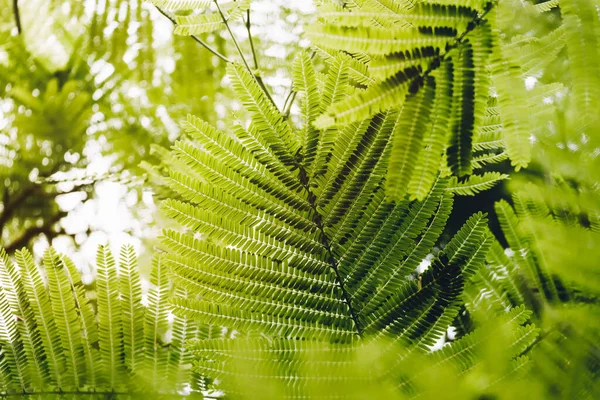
439	62
290	236
58	340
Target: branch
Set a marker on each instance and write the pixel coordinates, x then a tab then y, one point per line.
237	46
196	38
11	207
17	16
247	23
289	101
25	238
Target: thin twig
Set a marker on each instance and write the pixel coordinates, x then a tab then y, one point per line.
237	46
196	38
289	101
239	49
247	22
17	16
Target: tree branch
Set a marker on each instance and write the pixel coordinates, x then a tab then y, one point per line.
25	238
247	23
11	206
17	16
239	49
196	38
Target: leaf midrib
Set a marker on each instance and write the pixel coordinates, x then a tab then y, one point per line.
318	220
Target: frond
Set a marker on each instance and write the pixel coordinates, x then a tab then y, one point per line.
358	18
463	116
475	183
268	123
305	82
64	311
130	288
371	40
335	272
469	246
582	45
18	302
64	350
486	159
343	147
43	317
464	353
376	98
237	9
508	82
547	5
407	139
334	89
198	24
282	205
288	236
360	172
407	44
520	245
506	271
156	322
434	142
181	4
180	359
251	159
496	285
537	53
89	327
110	331
204	22
14	366
382	68
357	66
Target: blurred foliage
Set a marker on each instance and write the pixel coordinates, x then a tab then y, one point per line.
84	78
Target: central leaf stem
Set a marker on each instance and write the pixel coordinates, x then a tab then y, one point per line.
317	218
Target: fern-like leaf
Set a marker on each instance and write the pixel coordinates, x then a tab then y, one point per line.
181	4
110	330
407	139
43	316
475	183
133	311
66	318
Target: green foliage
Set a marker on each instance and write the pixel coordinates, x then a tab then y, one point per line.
460	48
404	45
60	338
75	82
316	255
295	253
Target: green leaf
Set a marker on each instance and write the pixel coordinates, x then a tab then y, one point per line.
198	24
133	312
181	4
110	328
474	184
463	114
43	317
64	311
408	138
